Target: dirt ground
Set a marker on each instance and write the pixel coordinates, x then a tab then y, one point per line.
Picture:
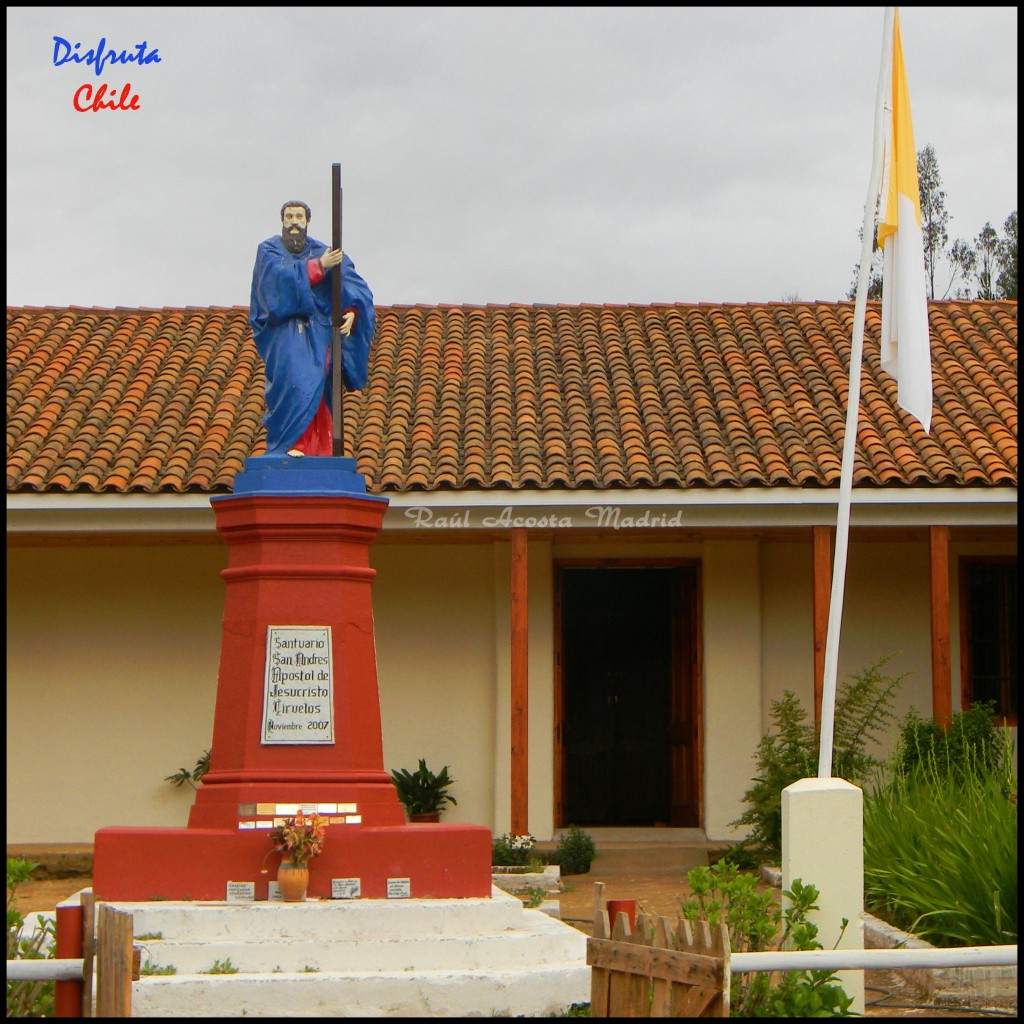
886	994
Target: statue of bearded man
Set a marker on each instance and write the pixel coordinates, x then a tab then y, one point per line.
290	314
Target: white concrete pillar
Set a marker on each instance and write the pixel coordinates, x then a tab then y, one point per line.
823	846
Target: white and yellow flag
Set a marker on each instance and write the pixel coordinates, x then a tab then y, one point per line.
906	353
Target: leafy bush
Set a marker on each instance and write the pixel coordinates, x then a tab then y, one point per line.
514	851
743	855
575	851
27	998
970	745
863	705
721	894
940	838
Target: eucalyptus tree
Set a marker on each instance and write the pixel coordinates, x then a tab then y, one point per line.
1006	256
990	260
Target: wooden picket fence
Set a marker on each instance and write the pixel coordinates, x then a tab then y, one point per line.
117	962
108	952
659	969
664	968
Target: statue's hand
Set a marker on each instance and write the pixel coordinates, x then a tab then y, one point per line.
346	323
331	258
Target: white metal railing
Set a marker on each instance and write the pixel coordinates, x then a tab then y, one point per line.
781	960
864	959
45	970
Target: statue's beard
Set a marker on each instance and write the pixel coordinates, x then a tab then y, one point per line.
294	239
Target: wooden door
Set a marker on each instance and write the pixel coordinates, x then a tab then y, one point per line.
626	696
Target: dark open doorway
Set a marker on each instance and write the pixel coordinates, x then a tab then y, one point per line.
627	694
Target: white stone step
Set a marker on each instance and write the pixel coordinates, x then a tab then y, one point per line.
356	919
529	992
358	958
544	941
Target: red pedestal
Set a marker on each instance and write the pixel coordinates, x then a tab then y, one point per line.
295	560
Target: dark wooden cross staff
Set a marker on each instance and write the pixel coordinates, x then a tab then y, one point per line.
337	376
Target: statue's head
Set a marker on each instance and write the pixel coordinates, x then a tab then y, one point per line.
295	218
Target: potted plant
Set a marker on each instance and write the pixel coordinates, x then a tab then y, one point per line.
422	793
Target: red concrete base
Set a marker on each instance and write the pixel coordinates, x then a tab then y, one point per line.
440	861
298	533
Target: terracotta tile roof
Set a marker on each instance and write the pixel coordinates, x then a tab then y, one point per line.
516	396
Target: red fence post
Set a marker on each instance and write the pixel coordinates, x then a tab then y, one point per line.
67	997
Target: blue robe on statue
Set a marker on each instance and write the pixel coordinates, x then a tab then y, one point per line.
291	325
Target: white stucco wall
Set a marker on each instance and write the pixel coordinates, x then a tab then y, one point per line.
112	655
434	621
732	678
787	652
886	611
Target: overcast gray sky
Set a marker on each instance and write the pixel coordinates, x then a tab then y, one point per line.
506	154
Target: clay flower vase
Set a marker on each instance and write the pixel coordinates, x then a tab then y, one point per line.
293	880
296	839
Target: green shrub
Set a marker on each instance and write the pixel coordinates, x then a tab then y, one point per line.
970	745
575	851
744	856
27	998
940	845
514	851
790	753
752	917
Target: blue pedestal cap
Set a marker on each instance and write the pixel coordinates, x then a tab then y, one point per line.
310	475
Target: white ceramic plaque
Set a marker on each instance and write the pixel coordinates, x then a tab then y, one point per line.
345	888
398	888
241	892
298	689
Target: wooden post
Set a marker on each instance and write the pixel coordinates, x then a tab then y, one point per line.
114	962
942	696
88	949
821	569
520	685
337	373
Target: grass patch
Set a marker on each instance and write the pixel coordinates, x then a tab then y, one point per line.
151	970
222	968
940	857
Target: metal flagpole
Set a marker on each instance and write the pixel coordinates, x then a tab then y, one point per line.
835	611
